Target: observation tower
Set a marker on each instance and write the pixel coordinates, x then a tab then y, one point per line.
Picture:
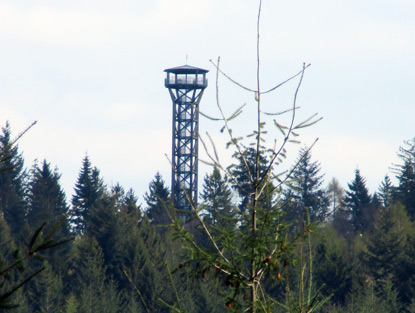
186	85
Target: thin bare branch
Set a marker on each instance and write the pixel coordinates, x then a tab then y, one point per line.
255	91
233	139
22	133
280	113
290	129
287	80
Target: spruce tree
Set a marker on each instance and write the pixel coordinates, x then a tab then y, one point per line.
406	188
405	271
244	171
331	267
71	305
88	190
6	259
144	261
405	173
217	200
386	192
158	200
307	192
94	290
45	293
357	201
384	248
12	182
46	199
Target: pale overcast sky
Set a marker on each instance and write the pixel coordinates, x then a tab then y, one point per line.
91	74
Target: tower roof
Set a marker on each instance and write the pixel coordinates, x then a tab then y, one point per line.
186	69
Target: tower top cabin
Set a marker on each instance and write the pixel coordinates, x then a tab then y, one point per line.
186	77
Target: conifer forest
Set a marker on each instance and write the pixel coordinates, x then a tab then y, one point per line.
112	254
258	239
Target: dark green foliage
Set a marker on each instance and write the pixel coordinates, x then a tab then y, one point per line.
47	203
357	201
158	202
12	181
40	242
71	305
244	172
332	267
95	291
306	191
405	192
384	248
373	269
88	190
386	191
217	201
405	173
46	292
46	199
405	271
7	253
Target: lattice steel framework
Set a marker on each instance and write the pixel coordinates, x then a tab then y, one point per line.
186	85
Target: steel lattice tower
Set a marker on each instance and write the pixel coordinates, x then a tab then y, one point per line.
186	85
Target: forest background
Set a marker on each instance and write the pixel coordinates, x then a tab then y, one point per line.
363	251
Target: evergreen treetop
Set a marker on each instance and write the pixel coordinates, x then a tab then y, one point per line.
46	200
12	183
357	201
89	188
306	190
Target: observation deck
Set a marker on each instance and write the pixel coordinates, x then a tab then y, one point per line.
186	77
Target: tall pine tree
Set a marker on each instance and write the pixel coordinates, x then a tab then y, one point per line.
88	190
386	191
47	201
384	247
405	173
217	198
357	201
12	181
307	192
158	200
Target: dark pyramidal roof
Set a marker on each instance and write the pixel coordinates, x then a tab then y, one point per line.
186	69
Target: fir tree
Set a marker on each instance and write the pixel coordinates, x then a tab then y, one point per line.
6	258
406	188
244	173
88	190
307	193
217	200
331	267
357	201
405	271
405	173
384	247
386	191
46	198
46	292
94	289
12	181
71	305
158	202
